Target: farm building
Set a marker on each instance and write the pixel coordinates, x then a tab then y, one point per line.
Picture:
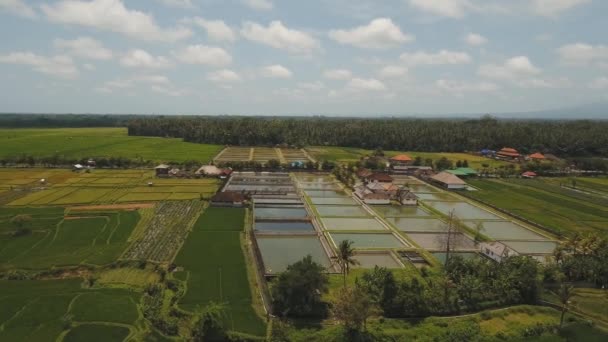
507	153
384	188
463	172
496	250
407	197
77	167
369	197
379	178
449	181
529	174
363	173
536	157
213	171
162	170
401	160
228	199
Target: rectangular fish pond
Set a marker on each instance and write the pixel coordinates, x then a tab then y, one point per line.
399	211
319	186
325	193
414	224
315	178
280	212
380	259
438	241
341	211
279	252
284	226
464	210
532	247
351	224
437	196
441	256
505	230
362	240
333	200
416	188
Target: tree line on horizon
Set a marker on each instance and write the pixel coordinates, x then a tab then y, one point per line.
563	138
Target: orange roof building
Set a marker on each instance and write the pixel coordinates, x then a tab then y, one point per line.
508	152
529	174
536	156
401	159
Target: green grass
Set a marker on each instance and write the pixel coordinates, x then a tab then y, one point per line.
563	212
128	277
91	238
34	310
214	259
96	332
100	142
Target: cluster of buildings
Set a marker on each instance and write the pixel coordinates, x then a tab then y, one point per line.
166	171
512	155
378	188
404	164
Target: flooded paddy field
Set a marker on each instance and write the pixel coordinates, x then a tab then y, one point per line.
362	240
279	252
351	224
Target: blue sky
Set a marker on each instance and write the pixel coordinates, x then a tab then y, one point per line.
283	57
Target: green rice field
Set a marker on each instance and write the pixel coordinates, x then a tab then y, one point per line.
100	142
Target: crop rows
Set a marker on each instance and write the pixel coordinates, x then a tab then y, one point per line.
165	231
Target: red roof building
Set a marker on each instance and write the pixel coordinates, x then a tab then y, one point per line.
508	153
536	156
401	158
380	177
529	174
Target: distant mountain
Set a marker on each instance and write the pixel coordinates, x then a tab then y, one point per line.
597	111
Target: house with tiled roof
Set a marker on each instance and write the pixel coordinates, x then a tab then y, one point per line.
379	177
448	181
496	250
536	157
406	197
370	197
529	174
508	153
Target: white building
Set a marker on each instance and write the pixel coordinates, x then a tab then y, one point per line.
496	250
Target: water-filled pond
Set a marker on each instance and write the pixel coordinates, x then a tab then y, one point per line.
399	211
341	211
422	188
532	247
283	226
441	256
371	260
412	224
333	200
351	224
464	210
280	212
278	201
325	193
319	186
315	179
266	188
436	196
439	241
368	240
505	230
279	252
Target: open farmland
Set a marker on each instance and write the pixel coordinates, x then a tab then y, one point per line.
37	311
214	261
562	210
261	155
51	239
80	143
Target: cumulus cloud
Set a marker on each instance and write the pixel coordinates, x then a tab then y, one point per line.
512	69
361	84
203	55
84	47
392	71
459	87
443	57
17	7
112	15
217	30
276	71
581	54
555	7
224	76
260	5
59	66
156	83
138	58
380	33
444	8
278	36
475	39
338	74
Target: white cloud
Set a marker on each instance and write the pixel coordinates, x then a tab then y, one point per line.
443	57
392	71
583	54
444	8
59	66
17	7
360	84
276	71
380	33
278	36
338	74
112	15
204	55
157	83
475	39
138	58
311	86
555	7
512	69
178	3
260	5
217	30
84	47
224	76
458	87
599	83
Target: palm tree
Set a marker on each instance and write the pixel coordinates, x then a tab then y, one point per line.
345	257
565	292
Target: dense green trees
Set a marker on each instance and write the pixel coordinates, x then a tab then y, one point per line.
578	138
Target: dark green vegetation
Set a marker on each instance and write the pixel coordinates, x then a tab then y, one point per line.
436	135
40	310
108	146
49	239
216	268
562	210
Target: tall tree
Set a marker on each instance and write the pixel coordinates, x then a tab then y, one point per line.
346	257
353	307
565	292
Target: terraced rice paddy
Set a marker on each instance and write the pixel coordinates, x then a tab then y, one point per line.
279	252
